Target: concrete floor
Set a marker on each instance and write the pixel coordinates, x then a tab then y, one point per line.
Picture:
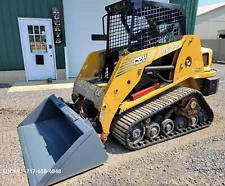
41	85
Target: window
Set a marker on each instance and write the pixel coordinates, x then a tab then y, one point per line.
37	39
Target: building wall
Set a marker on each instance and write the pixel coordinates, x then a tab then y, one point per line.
190	7
217	46
82	19
208	24
10	46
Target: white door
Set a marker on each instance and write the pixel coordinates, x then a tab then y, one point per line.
38	48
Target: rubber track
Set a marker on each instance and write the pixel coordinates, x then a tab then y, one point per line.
123	122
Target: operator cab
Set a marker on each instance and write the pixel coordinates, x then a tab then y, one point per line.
136	25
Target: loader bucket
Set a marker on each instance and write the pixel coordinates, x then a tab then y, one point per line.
57	143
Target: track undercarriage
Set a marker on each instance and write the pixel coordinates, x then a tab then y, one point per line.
176	112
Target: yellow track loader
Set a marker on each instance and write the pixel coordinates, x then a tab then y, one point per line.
146	87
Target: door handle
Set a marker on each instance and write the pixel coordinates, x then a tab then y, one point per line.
50	46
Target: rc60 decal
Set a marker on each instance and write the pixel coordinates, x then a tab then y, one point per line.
169	48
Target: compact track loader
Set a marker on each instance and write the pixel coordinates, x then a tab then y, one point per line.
146	87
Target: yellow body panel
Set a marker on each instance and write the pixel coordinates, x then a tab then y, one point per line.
91	66
188	64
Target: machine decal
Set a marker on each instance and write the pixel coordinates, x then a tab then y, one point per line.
130	63
140	59
169	48
197	70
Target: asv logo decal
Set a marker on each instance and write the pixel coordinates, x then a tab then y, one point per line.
167	49
140	59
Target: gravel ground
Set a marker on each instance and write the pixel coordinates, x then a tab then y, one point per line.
194	159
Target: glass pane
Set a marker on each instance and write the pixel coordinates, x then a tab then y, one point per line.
30	29
36	30
38	47
43	39
42	29
33	48
37	38
44	48
31	38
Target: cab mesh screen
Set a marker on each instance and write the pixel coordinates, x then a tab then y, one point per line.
137	29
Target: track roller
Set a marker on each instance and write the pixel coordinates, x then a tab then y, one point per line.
180	123
192	122
203	116
136	133
167	127
153	131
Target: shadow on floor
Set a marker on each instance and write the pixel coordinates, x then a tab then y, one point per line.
5	85
114	147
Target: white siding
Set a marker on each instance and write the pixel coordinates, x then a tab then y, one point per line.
208	24
83	18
